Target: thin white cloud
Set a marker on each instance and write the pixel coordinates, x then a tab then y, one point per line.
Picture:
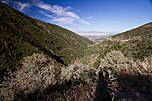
63	20
59	14
5	1
50	16
85	22
22	6
60	11
59	20
88	17
62	15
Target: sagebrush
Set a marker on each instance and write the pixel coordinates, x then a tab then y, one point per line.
116	61
36	73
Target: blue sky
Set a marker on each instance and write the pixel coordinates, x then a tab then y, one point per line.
98	16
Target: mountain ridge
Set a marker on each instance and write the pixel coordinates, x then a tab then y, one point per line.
141	30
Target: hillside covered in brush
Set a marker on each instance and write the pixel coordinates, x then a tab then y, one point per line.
126	62
55	64
21	35
136	44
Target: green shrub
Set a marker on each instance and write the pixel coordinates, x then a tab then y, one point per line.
96	64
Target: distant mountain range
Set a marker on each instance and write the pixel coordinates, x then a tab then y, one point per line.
97	37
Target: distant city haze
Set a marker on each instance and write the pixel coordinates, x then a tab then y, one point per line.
95	35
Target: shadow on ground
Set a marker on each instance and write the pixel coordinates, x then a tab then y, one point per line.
129	88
